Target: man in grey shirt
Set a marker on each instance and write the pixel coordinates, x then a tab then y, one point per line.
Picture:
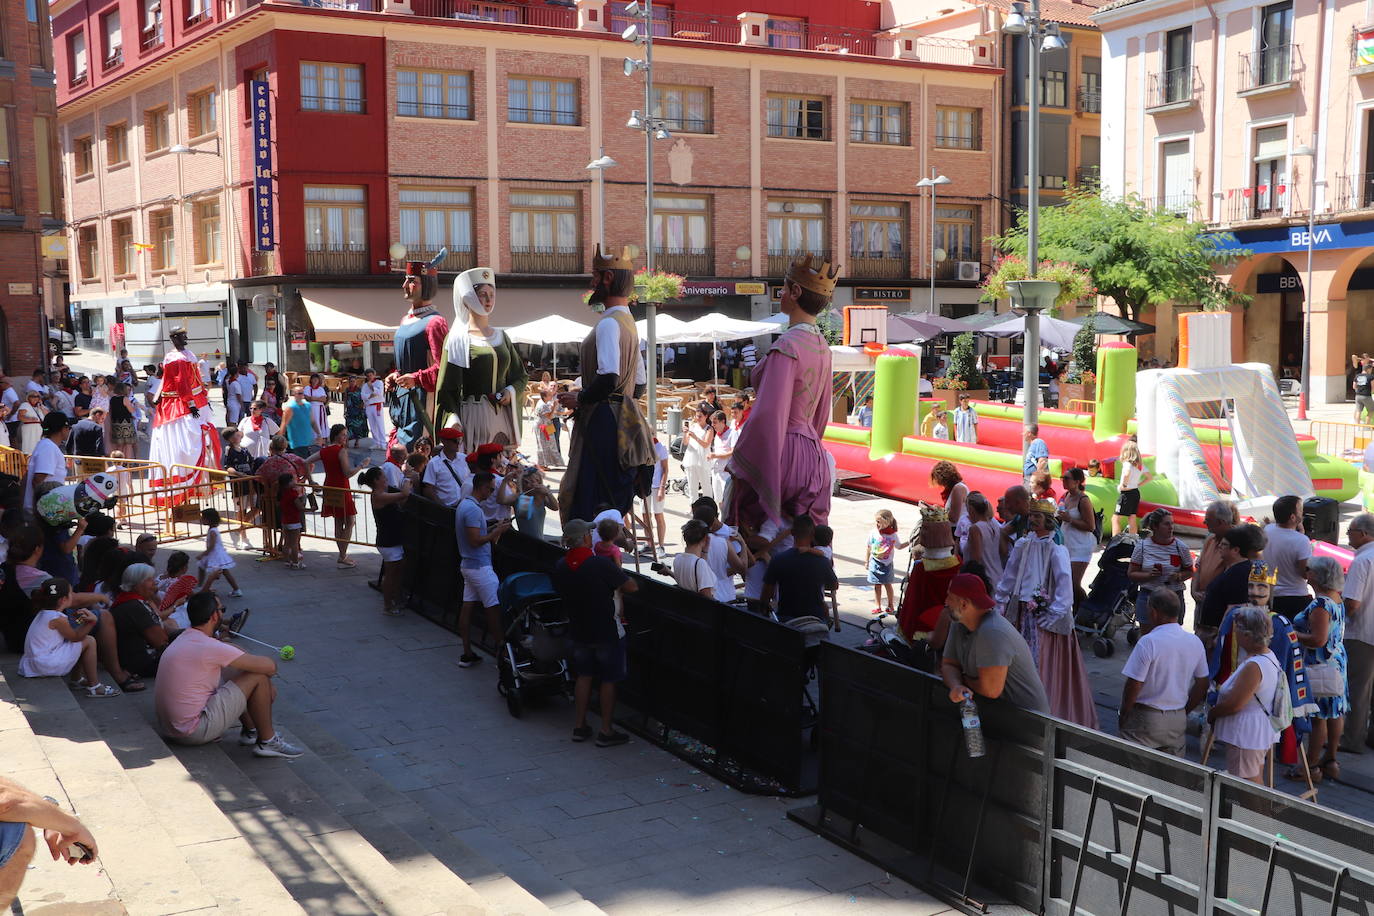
985	654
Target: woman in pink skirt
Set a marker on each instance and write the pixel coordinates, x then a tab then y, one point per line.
1036	593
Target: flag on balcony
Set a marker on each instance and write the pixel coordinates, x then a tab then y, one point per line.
143	246
1364	49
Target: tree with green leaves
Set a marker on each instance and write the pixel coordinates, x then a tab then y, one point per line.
1137	255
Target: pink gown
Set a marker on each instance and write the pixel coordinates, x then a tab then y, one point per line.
779	467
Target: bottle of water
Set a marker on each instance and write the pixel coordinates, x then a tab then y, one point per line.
973	727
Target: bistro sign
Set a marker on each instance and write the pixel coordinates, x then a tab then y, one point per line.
882	293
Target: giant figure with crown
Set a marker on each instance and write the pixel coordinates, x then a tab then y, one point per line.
779	469
610	456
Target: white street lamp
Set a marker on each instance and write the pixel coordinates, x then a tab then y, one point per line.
600	165
933	182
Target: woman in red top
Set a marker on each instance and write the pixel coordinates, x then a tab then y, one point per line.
338	497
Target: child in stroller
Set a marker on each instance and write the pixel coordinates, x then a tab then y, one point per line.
534	657
1110	604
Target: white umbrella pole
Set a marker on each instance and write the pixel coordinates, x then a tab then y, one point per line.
715	369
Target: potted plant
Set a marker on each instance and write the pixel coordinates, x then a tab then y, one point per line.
1074	282
658	286
1080	381
962	376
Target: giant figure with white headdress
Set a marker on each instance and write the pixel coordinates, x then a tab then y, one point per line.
483	377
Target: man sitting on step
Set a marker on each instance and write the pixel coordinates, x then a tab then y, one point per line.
193	707
21	809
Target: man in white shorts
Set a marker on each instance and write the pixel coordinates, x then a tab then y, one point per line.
479	578
203	685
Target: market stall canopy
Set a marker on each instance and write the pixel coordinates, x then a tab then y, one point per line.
975	322
1107	323
946	325
352	314
551	329
715	328
1055	333
910	328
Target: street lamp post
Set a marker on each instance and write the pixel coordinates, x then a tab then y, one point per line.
1041	36
600	165
654	129
1305	374
933	182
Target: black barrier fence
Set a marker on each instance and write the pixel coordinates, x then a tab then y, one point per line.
718	684
1059	819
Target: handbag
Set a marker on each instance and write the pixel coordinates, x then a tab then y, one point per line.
1325	680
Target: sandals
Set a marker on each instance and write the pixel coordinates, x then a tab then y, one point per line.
1329	767
1296	774
346	564
103	691
131	684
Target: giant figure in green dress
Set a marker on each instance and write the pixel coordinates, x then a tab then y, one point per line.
482	381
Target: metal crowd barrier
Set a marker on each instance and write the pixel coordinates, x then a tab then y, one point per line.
1346	441
1059	819
726	678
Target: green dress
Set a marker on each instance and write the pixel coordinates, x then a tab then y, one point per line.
471	392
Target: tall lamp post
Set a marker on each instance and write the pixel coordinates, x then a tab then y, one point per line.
600	165
1040	36
933	182
642	33
1305	375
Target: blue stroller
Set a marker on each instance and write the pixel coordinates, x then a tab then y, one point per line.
534	658
1110	604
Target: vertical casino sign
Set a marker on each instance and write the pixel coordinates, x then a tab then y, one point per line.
264	231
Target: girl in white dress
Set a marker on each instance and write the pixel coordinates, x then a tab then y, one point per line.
722	447
698	437
318	396
216	562
56	646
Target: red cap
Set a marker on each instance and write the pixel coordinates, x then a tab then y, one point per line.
971	588
450	432
489	448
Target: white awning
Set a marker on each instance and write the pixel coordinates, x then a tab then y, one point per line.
353	314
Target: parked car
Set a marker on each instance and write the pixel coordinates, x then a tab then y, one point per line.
61	341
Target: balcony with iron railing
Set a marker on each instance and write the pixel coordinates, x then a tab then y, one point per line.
459	257
544	16
1086	176
536	259
1263	202
336	259
780	261
1355	191
1173	90
114	59
689	262
1271	69
151	37
1184	205
1089	101
865	265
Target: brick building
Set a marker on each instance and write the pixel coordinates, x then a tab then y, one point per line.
30	190
469	125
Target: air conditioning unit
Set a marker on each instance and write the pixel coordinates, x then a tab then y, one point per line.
970	270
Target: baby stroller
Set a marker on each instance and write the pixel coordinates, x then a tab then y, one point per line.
534	658
1110	604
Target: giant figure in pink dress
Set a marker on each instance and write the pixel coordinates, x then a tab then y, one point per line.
779	468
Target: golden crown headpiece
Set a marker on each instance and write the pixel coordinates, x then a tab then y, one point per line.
1046	507
622	261
934	514
1261	573
819	280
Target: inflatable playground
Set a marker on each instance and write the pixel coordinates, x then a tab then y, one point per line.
1206	429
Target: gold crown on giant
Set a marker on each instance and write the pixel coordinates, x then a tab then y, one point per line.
1045	507
819	280
934	514
622	261
1261	573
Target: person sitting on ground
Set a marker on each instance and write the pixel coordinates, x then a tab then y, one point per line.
984	654
196	703
799	577
1240	718
57	646
1287	550
479	578
65	836
586	583
1166	678
141	635
146	547
175	588
691	570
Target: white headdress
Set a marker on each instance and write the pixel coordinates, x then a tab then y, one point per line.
464	301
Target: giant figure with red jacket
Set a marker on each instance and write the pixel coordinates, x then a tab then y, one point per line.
185	440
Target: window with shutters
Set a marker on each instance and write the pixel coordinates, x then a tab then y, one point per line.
76	58
206	220
83	156
434	94
1269	186
113	51
88	252
1176	176
155	134
117	144
122	248
162	236
200	113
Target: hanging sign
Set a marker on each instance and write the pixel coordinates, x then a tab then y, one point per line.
264	233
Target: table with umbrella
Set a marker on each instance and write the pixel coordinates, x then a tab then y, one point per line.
714	328
1107	323
552	330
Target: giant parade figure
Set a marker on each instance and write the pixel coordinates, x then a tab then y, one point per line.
611	453
419	352
185	440
779	468
482	378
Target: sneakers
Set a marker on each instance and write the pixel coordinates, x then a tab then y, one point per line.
236	593
614	739
582	733
276	747
237	621
247	736
468	660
